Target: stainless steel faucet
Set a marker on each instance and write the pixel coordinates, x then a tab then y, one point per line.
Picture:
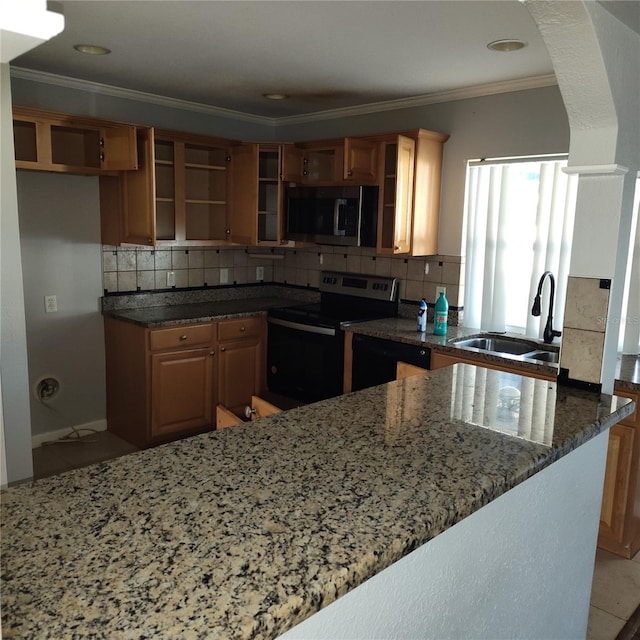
549	332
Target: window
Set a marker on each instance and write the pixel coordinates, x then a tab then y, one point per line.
519	216
629	337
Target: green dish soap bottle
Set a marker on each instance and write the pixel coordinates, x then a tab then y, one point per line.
441	316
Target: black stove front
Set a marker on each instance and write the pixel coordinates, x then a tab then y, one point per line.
305	346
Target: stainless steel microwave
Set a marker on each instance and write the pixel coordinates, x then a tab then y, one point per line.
345	216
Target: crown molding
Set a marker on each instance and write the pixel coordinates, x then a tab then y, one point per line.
131	94
465	93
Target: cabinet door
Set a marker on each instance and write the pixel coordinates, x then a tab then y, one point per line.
139	204
68	144
240	373
119	148
616	483
360	160
323	165
182	391
243	219
292	163
396	202
269	196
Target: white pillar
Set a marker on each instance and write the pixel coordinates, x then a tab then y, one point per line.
595	59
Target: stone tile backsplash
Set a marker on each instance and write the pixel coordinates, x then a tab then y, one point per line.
583	333
145	269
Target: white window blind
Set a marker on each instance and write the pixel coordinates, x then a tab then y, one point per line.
519	223
629	339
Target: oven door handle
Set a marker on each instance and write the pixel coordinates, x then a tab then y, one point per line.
325	331
338	202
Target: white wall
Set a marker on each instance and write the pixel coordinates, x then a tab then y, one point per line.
13	347
61	255
521	567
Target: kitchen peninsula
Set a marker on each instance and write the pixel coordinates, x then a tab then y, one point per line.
247	532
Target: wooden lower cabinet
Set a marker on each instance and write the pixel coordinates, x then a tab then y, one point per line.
241	363
440	359
164	384
619	530
182	383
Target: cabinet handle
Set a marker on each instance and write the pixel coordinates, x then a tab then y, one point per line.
212	352
241	328
149	240
102	142
349	173
397	248
223	348
183	337
102	156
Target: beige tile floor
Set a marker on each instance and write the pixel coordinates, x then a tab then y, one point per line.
616	583
615	595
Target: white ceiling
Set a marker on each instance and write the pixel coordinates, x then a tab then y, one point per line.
324	54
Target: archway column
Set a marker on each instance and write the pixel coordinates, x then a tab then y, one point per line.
595	60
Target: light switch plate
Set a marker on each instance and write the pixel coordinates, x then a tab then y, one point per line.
171	278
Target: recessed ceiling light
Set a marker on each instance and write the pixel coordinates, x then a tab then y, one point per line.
92	49
275	96
506	45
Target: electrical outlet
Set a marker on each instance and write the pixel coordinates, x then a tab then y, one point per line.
439	290
224	276
50	304
321	258
426	268
171	278
259	273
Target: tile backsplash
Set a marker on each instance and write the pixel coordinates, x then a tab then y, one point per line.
145	269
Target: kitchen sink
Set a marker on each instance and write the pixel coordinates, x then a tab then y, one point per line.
544	356
496	345
512	348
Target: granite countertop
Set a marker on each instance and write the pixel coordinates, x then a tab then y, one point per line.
403	330
163	316
243	533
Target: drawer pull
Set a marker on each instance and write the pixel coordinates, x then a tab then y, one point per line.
241	328
212	352
183	337
223	348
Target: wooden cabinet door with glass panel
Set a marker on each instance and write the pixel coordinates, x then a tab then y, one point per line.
179	195
58	142
397	159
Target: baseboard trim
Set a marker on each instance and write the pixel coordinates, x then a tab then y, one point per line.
52	436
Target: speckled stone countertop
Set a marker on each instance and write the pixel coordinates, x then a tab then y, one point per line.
243	533
403	330
163	316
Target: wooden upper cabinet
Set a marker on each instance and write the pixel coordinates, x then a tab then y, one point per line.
46	141
360	160
331	162
180	194
243	221
396	197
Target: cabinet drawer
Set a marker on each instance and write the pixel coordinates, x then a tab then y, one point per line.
186	335
233	329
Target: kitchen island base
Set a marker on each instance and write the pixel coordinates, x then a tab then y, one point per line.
520	567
